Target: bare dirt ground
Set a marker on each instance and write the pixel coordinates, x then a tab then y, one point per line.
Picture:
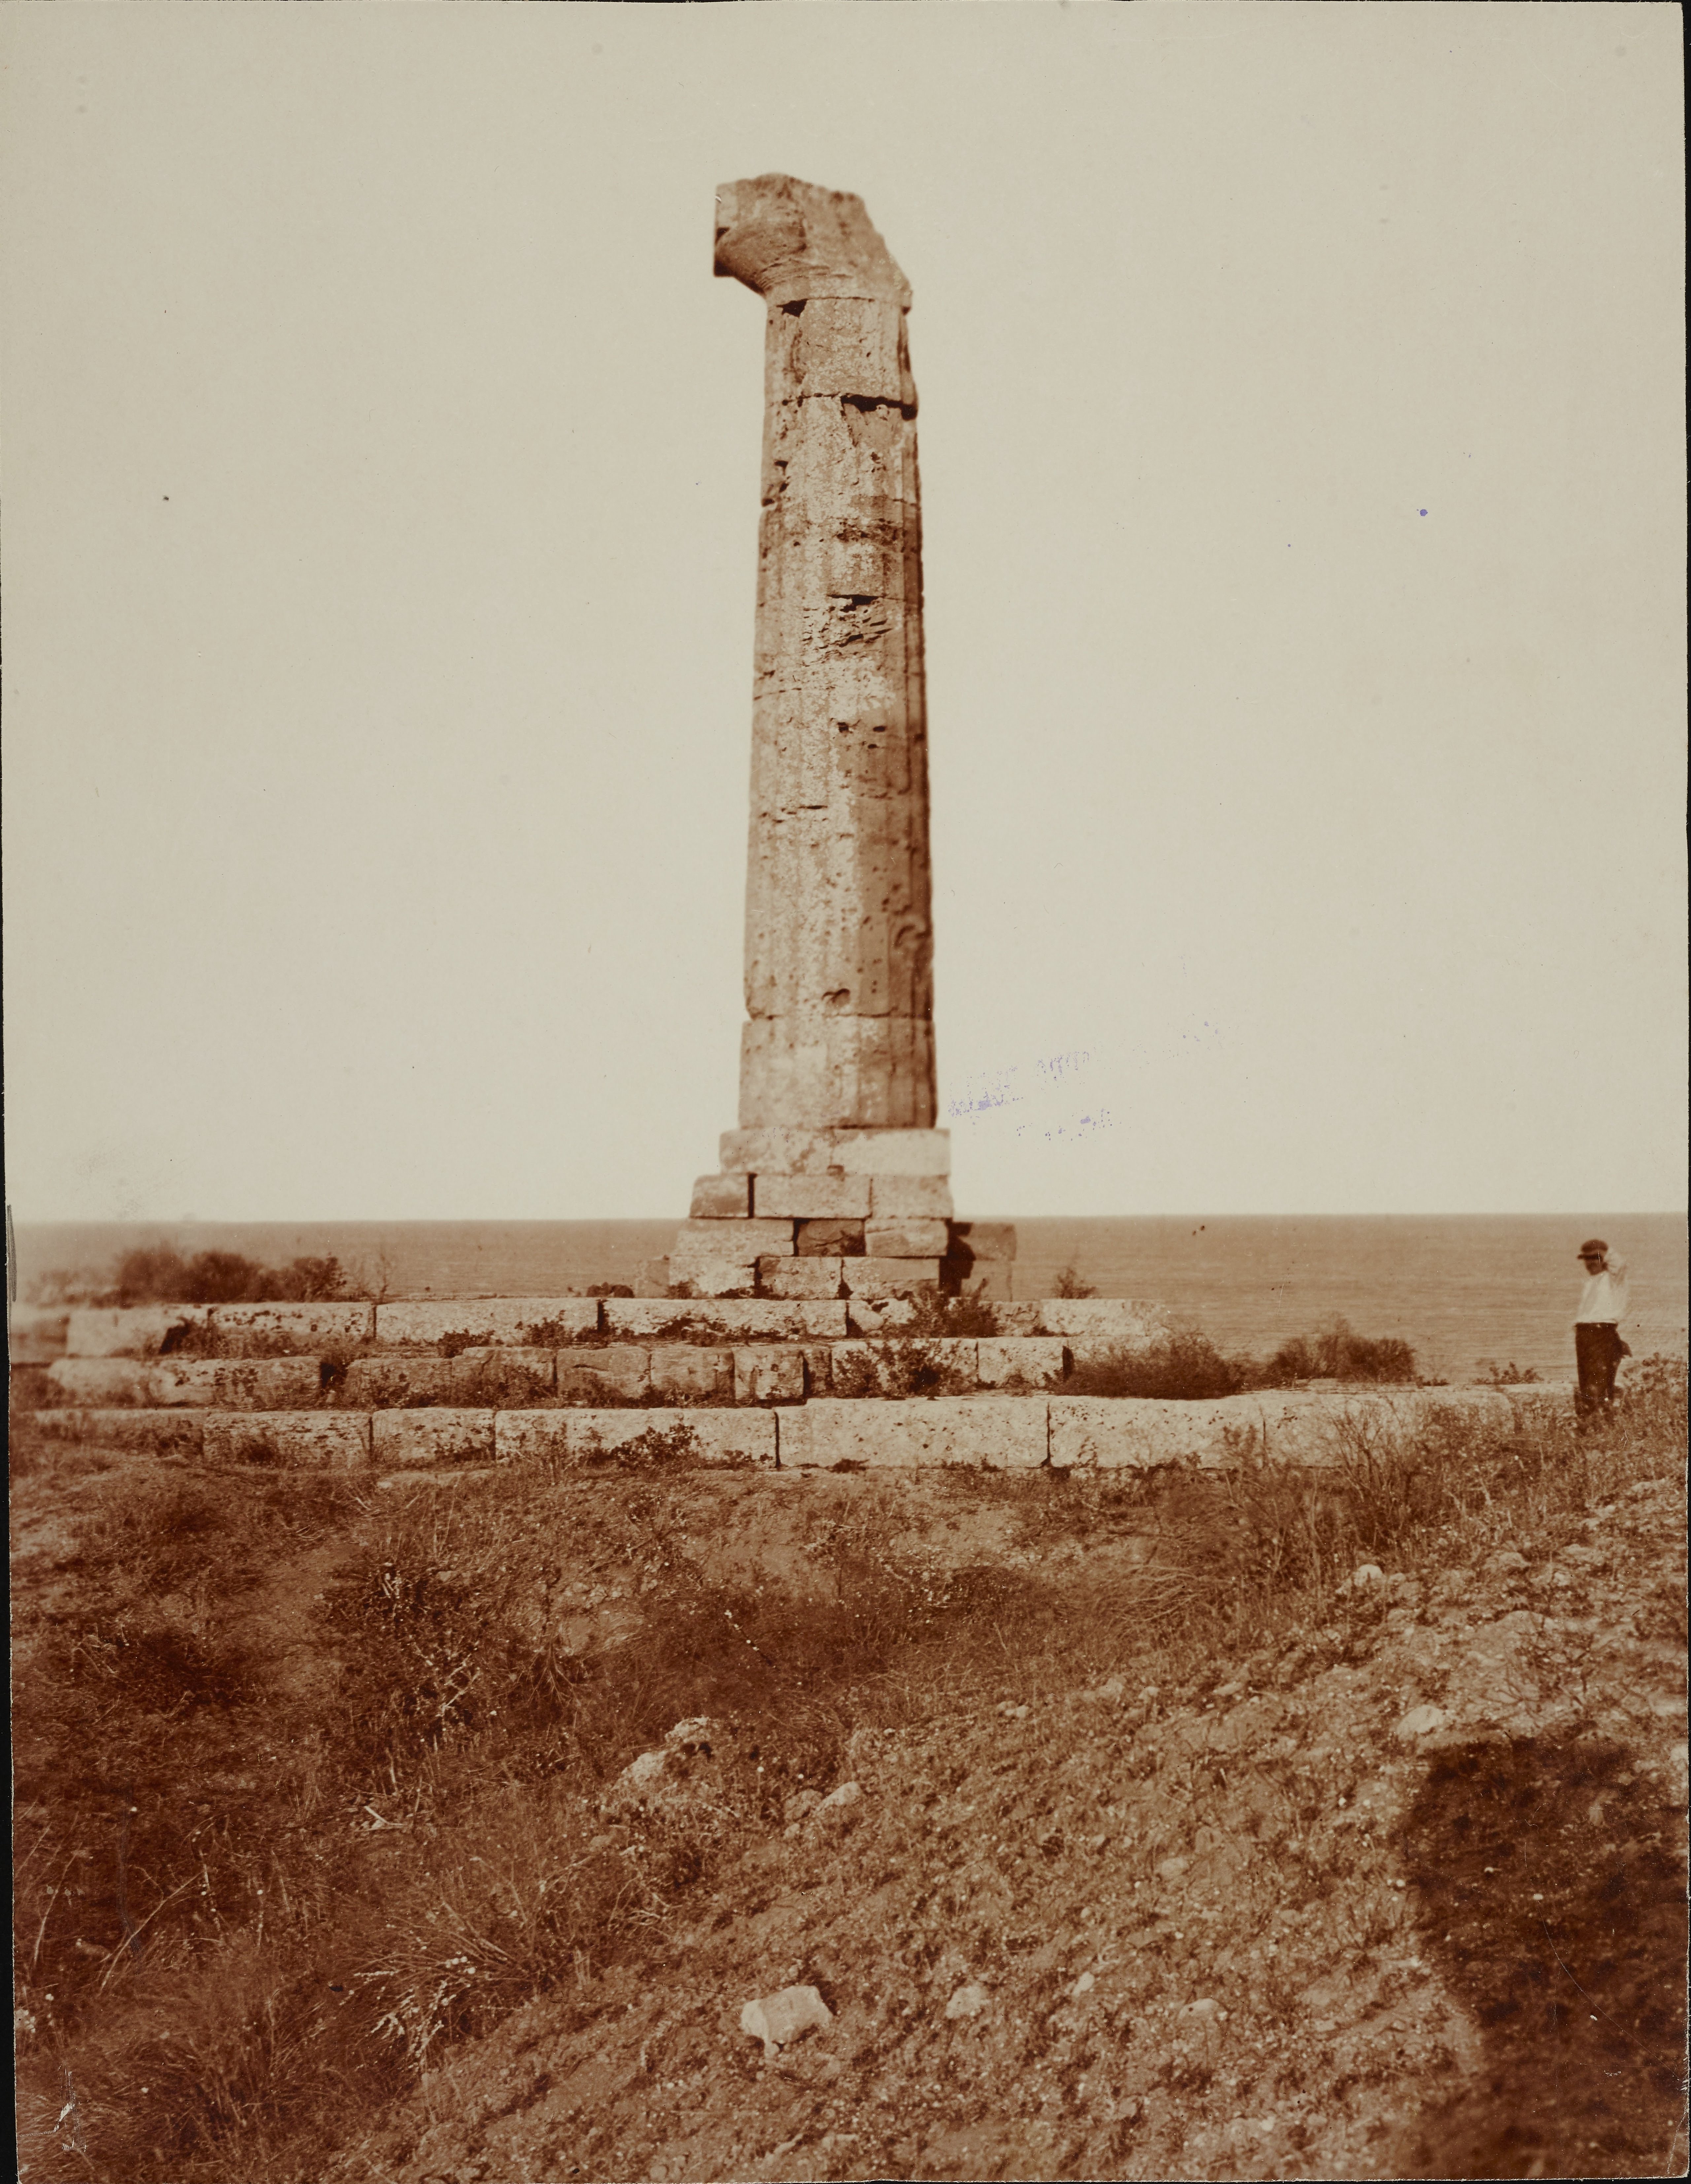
1200	1830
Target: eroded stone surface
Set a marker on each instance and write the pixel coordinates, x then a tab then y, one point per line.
813	1197
720	1198
523	1321
838	937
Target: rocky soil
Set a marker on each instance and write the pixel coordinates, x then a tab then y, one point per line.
1401	1898
1117	1828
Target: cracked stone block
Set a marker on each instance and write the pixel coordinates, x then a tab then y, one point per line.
722	1198
813	1197
303	1325
888	1278
999	1432
475	1378
485	1320
618	1370
1036	1360
227	1383
829	1240
577	1436
777	1151
909	1198
894	1152
137	1331
904	1239
432	1436
769	1374
687	1368
888	1317
731	1239
305	1441
746	1319
805	1277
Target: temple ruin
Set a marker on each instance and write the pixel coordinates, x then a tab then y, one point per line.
835	1179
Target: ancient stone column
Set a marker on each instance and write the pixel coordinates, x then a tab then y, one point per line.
835	1179
839	943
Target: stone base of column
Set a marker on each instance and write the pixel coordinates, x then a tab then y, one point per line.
880	1197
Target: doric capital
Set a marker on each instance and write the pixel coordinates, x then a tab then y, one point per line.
792	240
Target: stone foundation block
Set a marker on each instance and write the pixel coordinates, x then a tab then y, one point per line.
1033	1361
987	1279
35	1334
301	1326
1022	1318
888	1278
140	1331
812	1197
526	1321
904	1239
777	1151
985	1239
473	1381
1105	1319
1120	1433
829	1240
161	1432
304	1440
578	1437
228	1384
769	1374
618	1370
800	1276
1001	1431
867	1318
687	1368
909	1198
432	1436
721	1198
746	1319
653	1280
819	1368
894	1152
713	1278
733	1239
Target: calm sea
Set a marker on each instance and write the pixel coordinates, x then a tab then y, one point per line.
1458	1287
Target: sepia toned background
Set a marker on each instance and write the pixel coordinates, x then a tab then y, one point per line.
1301	433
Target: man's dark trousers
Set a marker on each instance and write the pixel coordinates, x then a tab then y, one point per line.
1598	1351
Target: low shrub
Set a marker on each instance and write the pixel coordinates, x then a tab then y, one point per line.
965	1315
1185	1368
899	1366
1338	1353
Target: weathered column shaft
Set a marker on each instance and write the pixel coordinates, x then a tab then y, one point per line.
839	952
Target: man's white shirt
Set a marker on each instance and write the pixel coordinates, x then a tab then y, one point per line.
1604	1298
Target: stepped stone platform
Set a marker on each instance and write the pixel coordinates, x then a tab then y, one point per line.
818	1383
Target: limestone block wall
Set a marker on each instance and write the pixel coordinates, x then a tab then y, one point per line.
797	1212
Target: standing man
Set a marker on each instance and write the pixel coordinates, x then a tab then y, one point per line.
1597	1347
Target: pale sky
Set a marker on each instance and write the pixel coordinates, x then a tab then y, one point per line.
1302	446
